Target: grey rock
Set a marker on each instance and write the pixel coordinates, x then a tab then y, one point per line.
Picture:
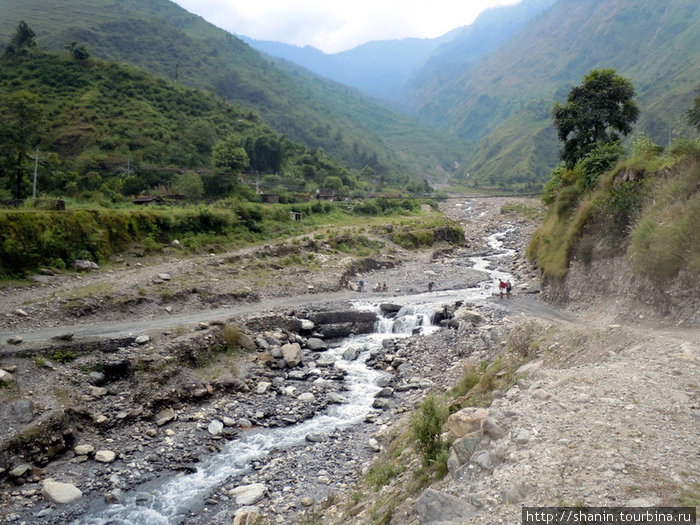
96	378
385	392
248	494
291	353
306	397
351	354
336	398
316	344
20	470
165	416
84	450
215	427
514	494
142	340
485	459
60	492
263	387
316	437
15	339
492	429
105	456
434	507
83	265
22	410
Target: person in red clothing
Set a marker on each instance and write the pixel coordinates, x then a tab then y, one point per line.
502	287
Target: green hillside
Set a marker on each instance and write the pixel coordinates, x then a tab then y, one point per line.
118	129
502	103
163	38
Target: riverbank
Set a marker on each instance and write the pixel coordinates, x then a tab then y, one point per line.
127	412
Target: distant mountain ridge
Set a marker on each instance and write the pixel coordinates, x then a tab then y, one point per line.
377	68
383	68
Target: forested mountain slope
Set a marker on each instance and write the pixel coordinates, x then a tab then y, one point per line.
503	101
167	40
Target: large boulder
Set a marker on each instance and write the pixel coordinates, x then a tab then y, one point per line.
466	421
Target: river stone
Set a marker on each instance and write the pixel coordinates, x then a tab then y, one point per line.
246	342
247	516
466	421
325	360
20	470
23	410
165	416
336	398
215	427
248	494
105	456
307	501
84	450
387	391
307	324
291	353
263	386
316	344
316	437
351	354
96	378
15	339
471	316
306	397
142	340
435	507
60	492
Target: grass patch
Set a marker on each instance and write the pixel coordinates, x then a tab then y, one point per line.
517	208
666	240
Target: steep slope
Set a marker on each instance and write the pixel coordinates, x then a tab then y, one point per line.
491	29
507	95
167	40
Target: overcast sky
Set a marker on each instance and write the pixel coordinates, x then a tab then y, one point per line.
337	25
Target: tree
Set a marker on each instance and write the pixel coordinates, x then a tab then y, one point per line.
694	114
597	111
22	41
229	157
21	128
78	51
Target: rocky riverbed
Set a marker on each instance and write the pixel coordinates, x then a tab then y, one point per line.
101	418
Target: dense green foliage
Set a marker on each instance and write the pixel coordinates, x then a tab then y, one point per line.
164	39
598	111
645	204
117	129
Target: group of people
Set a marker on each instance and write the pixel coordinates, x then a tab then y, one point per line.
380	287
505	287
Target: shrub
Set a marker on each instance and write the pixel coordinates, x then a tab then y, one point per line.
426	425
